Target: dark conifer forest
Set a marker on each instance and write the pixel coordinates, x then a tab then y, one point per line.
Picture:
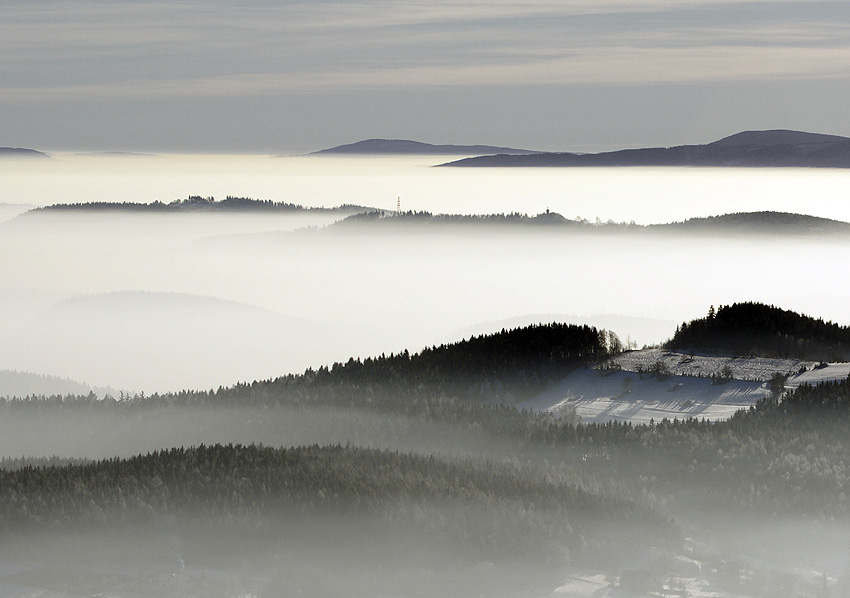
759	329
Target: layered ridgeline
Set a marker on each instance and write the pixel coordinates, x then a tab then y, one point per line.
251	487
194	204
354	218
740	223
459	380
763	330
459	399
774	148
562	492
22	384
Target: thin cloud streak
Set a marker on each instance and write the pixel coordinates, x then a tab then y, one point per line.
144	55
125	25
607	66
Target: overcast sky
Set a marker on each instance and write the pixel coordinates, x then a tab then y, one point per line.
290	76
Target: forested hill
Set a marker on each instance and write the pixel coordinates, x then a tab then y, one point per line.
385	505
741	223
508	365
764	330
381	220
769	223
195	203
449	382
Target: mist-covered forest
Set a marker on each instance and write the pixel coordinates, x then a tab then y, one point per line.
425	459
196	203
427	364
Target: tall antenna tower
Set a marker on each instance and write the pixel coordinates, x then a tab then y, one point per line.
398	205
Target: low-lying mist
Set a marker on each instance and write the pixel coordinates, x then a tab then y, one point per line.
397	477
153	303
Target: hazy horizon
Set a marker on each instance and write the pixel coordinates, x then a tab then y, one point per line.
645	195
298	76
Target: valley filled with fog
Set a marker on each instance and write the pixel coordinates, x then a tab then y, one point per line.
290	399
154	302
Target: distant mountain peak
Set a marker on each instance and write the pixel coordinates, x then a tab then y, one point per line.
409	147
776	137
21	152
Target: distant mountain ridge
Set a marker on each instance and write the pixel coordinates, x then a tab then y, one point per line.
406	146
21	152
754	149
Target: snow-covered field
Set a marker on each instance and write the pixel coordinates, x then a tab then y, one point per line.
600	585
625	389
756	369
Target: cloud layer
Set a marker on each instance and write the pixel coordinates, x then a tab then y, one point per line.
60	52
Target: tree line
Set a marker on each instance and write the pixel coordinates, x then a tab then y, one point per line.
193	203
765	330
484	509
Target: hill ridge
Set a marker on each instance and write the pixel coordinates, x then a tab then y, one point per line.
753	149
378	146
767	222
21	152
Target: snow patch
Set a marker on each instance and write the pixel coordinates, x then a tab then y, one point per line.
654	384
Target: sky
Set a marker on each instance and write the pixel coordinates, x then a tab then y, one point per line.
293	76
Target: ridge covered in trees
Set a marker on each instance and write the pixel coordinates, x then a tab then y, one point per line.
491	510
764	330
388	219
196	203
765	222
506	366
497	485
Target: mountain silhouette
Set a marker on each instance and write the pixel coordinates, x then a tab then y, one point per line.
754	149
407	147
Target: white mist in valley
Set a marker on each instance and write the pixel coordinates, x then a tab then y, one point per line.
645	195
159	302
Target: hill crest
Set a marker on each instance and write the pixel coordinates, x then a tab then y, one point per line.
21	152
409	147
749	149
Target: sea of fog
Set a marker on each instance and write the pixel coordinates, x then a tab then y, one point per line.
645	195
165	302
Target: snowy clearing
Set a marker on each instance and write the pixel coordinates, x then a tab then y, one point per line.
603	586
627	396
624	389
755	369
641	583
